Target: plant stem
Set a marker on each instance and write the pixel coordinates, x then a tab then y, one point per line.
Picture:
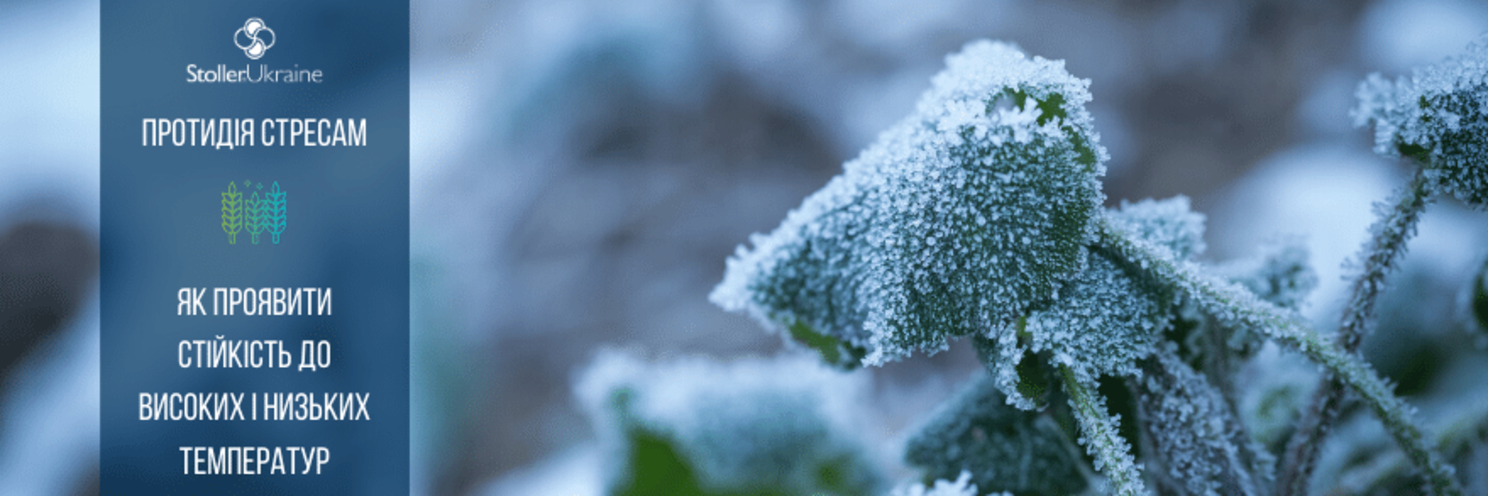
1112	455
1380	253
1238	307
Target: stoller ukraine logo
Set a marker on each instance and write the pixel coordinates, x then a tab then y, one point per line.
254	38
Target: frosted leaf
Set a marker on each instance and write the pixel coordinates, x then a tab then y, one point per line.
779	426
1280	274
833	351
1002	447
1194	435
1100	435
956	220
1020	376
962	486
1439	116
1103	322
1169	223
1109	317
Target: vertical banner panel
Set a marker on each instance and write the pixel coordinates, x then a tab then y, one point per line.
254	247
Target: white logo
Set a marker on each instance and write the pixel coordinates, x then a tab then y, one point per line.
254	38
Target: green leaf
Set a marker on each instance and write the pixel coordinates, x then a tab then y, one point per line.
1004	448
1437	117
957	220
833	351
1100	434
652	463
1103	323
1197	442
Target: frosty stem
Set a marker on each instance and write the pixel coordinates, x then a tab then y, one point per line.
1112	456
1239	308
1381	252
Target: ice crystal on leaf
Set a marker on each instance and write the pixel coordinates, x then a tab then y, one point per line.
1169	223
1280	275
957	219
694	426
1005	449
1194	434
1100	435
1438	116
1235	307
1103	324
979	214
1014	370
1108	316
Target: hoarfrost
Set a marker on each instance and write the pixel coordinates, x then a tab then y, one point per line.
1280	274
1438	116
1105	323
1109	317
1169	223
1100	435
1003	448
1194	435
956	220
1019	376
1238	308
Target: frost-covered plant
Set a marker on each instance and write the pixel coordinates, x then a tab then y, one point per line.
965	214
1205	447
978	435
1438	119
979	215
697	427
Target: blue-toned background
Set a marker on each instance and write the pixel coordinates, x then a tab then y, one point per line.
580	169
347	229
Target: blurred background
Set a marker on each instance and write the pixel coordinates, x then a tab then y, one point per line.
581	169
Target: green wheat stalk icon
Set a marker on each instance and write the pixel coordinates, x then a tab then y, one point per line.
232	213
255	219
274	212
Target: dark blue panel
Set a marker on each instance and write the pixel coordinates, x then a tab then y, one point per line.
342	224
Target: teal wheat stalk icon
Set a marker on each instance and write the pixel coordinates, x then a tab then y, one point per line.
256	216
274	211
232	213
